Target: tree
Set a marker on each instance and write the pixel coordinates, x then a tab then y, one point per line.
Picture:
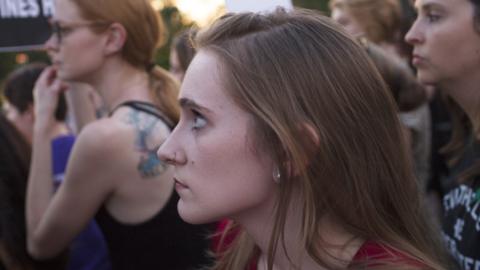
321	5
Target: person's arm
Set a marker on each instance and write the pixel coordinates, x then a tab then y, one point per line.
54	220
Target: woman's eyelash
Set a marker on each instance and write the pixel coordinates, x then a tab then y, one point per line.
199	120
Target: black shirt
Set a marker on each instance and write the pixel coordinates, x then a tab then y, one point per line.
461	205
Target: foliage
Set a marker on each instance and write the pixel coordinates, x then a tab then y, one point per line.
321	5
8	61
174	23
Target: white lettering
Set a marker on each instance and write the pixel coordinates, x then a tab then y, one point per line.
477	265
474	211
28	8
22	9
447	202
19	8
468	263
34	8
9	8
458	229
466	198
48	7
461	196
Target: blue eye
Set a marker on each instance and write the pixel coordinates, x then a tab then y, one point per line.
431	17
198	120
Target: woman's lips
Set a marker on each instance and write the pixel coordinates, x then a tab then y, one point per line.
417	60
179	185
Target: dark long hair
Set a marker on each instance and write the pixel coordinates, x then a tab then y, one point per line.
462	127
14	167
19	86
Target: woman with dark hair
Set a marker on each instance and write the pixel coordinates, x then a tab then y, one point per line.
302	151
446	40
14	163
380	22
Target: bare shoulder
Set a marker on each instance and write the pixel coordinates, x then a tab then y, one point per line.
101	138
128	137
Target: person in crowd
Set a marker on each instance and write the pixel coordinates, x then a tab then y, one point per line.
302	151
113	173
181	53
88	251
14	163
380	23
446	40
18	105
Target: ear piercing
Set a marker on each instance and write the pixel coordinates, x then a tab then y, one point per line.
276	175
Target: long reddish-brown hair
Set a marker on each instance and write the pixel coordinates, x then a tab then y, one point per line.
290	69
381	19
145	32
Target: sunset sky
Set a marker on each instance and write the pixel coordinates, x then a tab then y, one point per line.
200	11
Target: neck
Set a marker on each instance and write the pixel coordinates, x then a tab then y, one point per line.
117	82
391	49
342	245
466	92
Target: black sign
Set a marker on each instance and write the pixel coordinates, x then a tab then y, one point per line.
24	24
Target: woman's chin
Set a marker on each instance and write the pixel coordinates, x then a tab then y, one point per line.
195	217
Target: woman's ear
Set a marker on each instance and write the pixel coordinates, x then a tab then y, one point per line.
116	38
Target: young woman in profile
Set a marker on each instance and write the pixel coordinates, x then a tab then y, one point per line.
302	151
446	41
113	172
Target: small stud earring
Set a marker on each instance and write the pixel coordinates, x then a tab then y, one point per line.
276	175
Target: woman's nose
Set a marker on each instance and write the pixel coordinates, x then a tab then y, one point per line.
413	36
51	44
169	154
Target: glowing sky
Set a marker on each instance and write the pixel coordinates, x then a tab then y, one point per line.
200	11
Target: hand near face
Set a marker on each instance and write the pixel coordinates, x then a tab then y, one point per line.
46	94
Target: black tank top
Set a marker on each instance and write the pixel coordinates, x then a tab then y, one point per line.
163	242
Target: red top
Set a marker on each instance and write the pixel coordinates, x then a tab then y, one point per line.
369	251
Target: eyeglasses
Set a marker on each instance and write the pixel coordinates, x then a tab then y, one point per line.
59	31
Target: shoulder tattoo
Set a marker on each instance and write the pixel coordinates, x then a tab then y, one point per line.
149	164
